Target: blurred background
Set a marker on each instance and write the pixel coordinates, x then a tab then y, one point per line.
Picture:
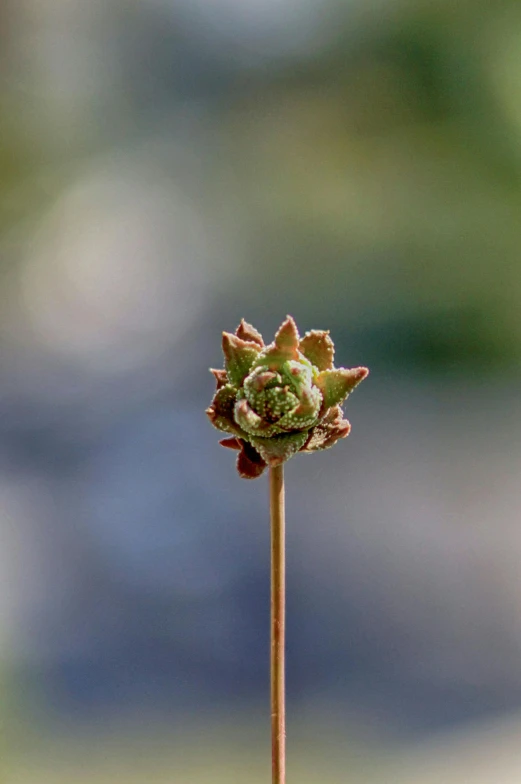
167	167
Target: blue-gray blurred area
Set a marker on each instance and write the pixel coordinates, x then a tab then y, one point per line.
166	168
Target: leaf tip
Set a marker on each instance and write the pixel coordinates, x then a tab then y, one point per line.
247	332
287	337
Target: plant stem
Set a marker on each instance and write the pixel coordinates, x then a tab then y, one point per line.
278	626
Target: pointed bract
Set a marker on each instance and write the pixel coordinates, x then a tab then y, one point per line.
318	347
248	332
239	356
287	338
337	384
231	443
221	377
283	349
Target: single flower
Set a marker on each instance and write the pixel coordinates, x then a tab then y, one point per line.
274	401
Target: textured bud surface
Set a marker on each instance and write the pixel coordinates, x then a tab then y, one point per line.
280	399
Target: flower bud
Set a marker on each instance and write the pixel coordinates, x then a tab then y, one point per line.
280	399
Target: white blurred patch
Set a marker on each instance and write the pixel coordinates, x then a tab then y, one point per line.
118	270
258	28
481	754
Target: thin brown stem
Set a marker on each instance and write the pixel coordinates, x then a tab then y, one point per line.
278	626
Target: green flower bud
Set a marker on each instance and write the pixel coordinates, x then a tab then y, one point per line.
280	399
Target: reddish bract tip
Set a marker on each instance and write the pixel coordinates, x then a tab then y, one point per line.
248	332
231	443
239	356
221	377
287	337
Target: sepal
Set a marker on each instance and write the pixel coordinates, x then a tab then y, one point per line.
248	332
250	464
231	443
337	384
287	337
318	347
284	347
221	377
220	411
324	435
239	356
